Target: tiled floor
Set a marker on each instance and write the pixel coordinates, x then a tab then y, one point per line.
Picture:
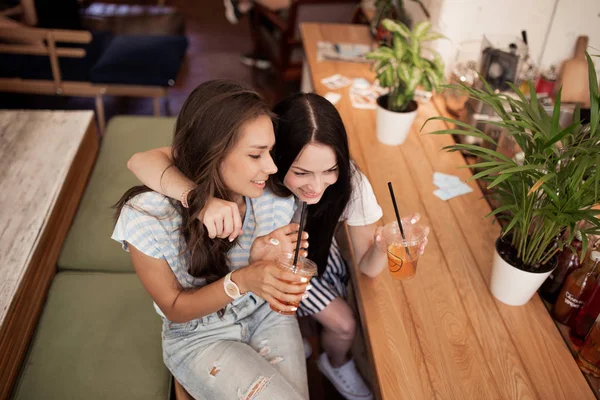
214	49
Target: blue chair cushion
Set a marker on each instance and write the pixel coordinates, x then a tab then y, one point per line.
71	69
148	60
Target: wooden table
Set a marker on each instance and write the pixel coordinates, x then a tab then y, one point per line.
441	335
45	160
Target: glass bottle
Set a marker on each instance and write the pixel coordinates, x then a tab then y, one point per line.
589	355
584	320
576	289
568	261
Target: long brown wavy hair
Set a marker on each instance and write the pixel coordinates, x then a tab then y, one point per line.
206	130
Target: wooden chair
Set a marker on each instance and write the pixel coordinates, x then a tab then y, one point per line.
277	35
106	66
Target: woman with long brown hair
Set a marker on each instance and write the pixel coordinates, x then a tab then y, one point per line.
221	340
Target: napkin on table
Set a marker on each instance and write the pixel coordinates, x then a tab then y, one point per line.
449	186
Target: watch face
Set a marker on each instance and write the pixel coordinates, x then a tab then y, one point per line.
231	290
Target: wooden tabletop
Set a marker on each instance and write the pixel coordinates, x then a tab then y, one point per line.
45	160
441	335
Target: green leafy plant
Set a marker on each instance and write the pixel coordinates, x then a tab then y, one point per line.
401	67
555	187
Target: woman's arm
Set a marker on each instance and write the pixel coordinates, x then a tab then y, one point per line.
263	278
154	168
175	303
370	257
371	260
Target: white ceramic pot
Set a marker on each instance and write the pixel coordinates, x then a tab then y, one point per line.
393	127
511	285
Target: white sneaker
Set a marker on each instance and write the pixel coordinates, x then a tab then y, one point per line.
307	348
232	12
346	379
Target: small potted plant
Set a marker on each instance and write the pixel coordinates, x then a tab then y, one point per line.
546	195
401	68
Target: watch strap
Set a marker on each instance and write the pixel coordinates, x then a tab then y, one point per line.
231	289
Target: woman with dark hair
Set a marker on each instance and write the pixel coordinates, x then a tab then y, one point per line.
221	340
313	161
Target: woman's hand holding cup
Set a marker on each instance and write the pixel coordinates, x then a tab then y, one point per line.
274	284
412	219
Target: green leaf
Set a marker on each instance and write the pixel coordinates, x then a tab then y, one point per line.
594	100
513	222
556	115
500	209
396	27
487	172
596	177
584	247
484	164
523	168
499	180
561	135
433	77
427	84
474	133
550	193
577	113
438	61
386	77
430	36
421	29
455	122
478	149
403	72
399	47
540	182
415	79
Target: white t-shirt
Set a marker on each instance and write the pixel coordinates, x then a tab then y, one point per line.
362	209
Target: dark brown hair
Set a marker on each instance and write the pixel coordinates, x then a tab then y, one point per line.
206	130
309	118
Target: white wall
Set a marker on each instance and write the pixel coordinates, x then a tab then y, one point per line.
465	22
573	18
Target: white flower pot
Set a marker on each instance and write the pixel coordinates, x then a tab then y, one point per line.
511	285
393	127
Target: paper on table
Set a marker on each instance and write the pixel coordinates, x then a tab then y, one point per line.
336	81
444	180
450	192
333	97
449	186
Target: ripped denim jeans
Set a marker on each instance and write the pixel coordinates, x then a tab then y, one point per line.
250	353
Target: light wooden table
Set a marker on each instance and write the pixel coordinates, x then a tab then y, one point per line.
441	335
45	160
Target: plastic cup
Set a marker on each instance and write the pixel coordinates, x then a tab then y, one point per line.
403	253
305	268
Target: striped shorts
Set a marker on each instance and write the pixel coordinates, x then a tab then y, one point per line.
327	286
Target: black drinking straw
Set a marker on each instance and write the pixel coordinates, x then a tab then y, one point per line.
300	230
397	214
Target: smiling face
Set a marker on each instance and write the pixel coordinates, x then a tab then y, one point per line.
312	172
248	165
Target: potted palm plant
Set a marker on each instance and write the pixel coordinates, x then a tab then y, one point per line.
547	194
401	68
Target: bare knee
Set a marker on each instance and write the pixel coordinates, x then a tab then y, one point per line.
343	327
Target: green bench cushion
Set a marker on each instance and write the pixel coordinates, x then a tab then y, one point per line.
98	338
88	245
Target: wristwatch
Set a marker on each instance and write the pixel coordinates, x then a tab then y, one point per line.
231	289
